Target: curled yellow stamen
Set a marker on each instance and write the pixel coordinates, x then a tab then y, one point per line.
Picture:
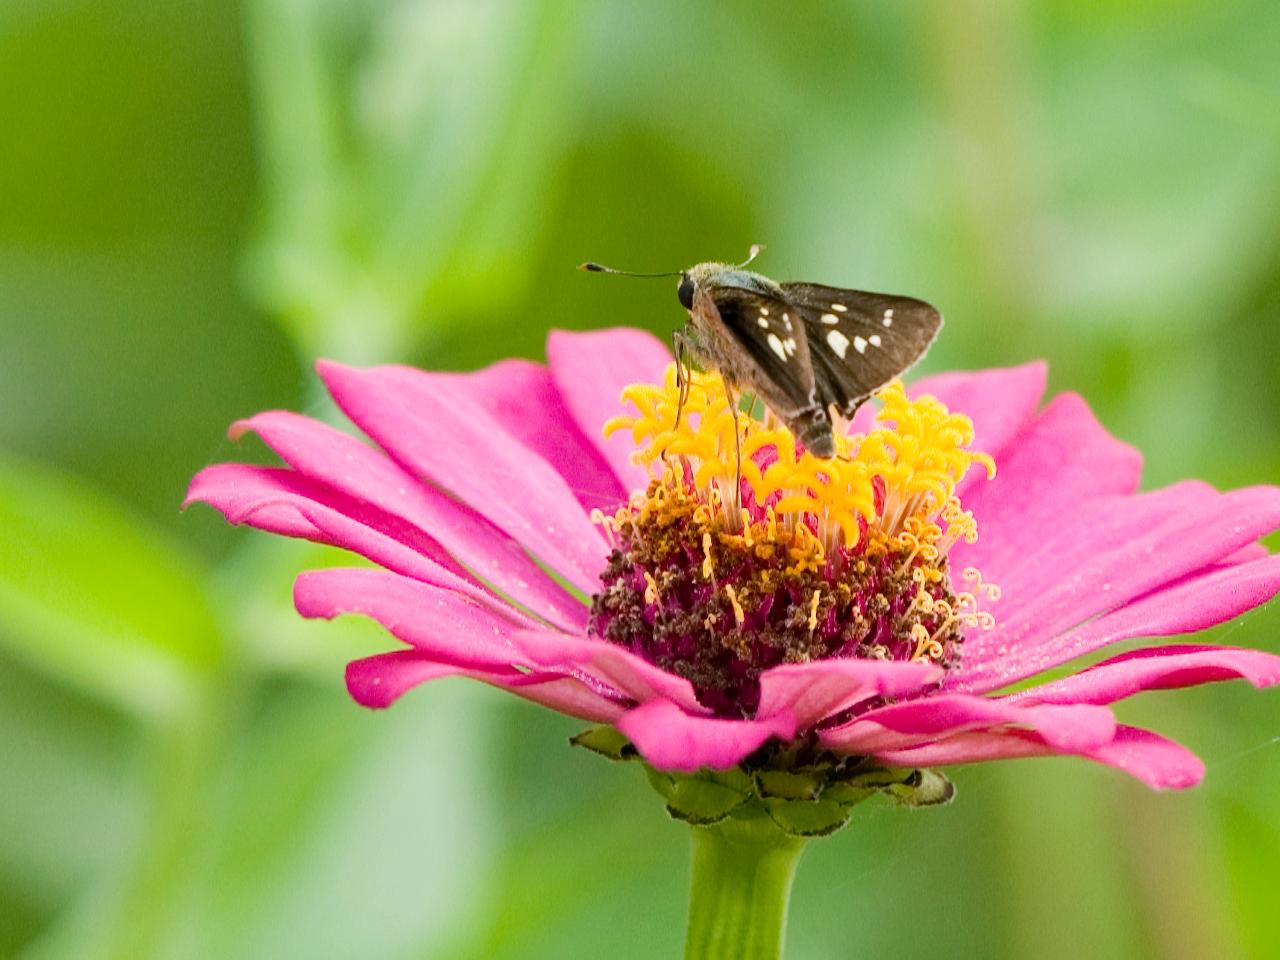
973	576
927	648
650	588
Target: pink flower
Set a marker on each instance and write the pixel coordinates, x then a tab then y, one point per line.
1082	560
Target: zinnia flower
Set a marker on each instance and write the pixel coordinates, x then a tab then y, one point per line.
725	601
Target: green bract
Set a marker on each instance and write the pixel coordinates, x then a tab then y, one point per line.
811	796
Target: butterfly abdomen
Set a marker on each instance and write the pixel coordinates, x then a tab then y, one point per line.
813	429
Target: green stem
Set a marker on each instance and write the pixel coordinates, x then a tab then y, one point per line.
742	872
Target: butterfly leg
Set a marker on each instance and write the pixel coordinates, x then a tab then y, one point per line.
680	347
729	388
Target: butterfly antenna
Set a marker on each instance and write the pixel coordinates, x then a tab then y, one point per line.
752	254
592	267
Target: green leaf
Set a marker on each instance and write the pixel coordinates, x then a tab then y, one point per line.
95	597
345	832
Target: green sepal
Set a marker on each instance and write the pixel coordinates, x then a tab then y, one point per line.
787	785
928	788
802	799
663	783
607	742
880	778
703	802
846	794
806	818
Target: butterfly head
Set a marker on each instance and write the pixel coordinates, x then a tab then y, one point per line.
712	275
701	276
685	291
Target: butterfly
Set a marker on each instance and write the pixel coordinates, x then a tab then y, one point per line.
811	353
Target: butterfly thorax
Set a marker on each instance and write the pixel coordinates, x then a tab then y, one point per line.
728	275
717	348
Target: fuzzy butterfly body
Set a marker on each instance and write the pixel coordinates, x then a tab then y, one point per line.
810	352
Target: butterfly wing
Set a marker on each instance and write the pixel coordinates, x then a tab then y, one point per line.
759	342
859	341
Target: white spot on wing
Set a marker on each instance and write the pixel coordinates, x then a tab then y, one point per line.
764	324
839	307
888	318
776	346
790	344
859	344
830	318
787	320
874	339
764	311
838	341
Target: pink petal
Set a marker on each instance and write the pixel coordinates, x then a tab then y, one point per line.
999	401
523	398
440	623
1156	668
913	722
1194	603
452	442
608	663
257	496
380	680
590	370
281	501
368	476
1254	551
810	692
1060	460
1159	763
670	739
1131	561
1094	528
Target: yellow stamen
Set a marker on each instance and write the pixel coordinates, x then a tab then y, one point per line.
918	453
650	588
771	521
927	648
738	614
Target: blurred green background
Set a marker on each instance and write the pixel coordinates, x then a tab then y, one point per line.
198	199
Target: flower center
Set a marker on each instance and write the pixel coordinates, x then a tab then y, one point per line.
803	558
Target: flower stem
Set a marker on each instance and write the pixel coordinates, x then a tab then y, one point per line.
742	872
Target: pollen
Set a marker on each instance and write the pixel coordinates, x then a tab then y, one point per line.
746	551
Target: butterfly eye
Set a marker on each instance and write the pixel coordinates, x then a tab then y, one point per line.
685	292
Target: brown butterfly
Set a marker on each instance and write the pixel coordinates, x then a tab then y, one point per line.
808	351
